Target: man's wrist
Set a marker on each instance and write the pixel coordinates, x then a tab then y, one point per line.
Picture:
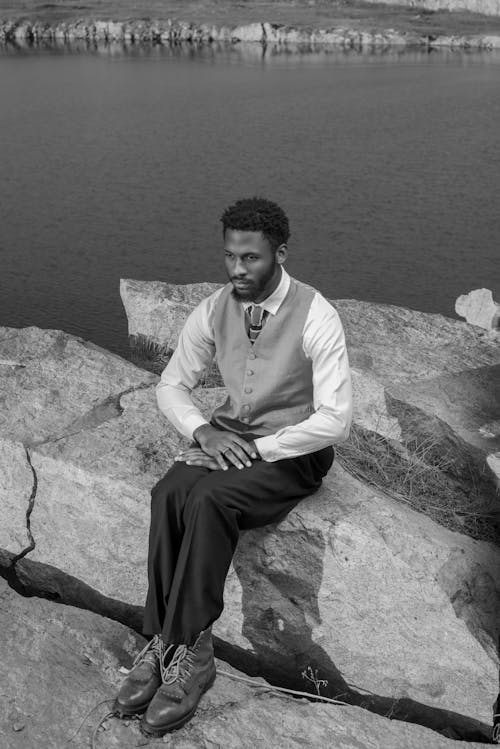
255	450
200	431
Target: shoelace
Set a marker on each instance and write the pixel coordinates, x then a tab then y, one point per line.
156	646
172	672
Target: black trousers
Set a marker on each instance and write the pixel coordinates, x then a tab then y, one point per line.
196	516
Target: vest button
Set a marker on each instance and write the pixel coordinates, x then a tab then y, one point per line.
248	390
249	371
252	355
245	418
246	407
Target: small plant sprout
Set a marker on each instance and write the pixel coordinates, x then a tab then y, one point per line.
312	676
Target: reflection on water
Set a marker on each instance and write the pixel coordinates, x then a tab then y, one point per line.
254	52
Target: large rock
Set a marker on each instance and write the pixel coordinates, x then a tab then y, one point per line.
53	383
478	308
369	592
60	662
469	401
374	595
395	344
157	310
414	368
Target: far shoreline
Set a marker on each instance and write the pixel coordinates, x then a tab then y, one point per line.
322	23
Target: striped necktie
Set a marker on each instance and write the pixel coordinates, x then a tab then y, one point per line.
258	317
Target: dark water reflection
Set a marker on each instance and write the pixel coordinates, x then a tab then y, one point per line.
118	160
254	52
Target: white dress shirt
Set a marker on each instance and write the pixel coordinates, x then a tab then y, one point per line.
323	342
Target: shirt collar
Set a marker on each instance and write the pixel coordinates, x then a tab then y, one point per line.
273	302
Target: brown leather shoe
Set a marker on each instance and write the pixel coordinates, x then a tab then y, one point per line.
189	674
144	678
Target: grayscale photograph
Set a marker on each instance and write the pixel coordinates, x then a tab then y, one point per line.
250	374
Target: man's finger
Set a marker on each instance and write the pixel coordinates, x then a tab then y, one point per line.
204	462
197	457
221	461
191	451
194	452
237	456
244	445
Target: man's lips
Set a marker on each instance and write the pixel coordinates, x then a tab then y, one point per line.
241	283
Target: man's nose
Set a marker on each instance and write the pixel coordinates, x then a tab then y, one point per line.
239	268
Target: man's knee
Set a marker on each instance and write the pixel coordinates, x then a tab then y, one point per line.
204	499
173	486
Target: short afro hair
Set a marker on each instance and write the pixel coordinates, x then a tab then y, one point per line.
258	214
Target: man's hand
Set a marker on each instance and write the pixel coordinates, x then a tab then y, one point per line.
194	456
225	446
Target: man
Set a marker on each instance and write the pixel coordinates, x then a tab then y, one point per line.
281	352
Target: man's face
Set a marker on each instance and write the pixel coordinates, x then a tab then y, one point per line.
251	265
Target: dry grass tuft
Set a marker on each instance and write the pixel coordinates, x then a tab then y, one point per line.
154	357
149	355
419	474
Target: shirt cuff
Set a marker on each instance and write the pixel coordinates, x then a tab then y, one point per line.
192	422
269	448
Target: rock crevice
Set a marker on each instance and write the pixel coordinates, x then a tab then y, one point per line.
100	413
31	503
33	579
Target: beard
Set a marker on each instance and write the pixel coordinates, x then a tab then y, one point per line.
246	295
255	288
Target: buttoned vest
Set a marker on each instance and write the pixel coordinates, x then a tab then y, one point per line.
269	382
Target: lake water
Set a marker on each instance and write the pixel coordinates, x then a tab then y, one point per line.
119	162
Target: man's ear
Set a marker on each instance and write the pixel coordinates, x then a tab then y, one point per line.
281	253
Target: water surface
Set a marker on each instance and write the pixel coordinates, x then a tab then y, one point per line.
118	162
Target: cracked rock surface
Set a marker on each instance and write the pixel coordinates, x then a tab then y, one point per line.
60	662
16	486
56	380
395	612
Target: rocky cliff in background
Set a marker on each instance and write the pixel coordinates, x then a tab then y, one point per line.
484	7
22	31
396	613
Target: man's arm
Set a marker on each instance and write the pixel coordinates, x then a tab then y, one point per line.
324	343
194	353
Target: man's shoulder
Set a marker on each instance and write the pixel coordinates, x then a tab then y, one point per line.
315	294
203	312
320	307
209	301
